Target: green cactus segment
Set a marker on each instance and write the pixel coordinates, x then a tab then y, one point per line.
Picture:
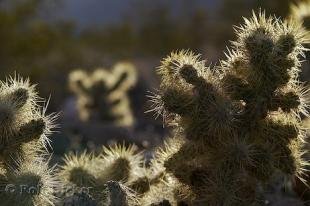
117	194
102	95
32	183
113	177
20	97
119	170
241	120
26	178
235	125
81	177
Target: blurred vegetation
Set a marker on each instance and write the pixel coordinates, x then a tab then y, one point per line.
34	47
102	96
47	50
35	44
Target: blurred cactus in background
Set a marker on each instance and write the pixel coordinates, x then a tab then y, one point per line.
301	13
26	178
239	129
240	123
103	96
235	127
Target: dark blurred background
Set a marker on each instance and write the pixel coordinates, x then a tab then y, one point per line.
46	39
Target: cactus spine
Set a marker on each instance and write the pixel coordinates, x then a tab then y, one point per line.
107	176
240	122
26	178
102	95
235	126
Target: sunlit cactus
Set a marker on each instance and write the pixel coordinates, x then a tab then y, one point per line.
120	163
26	178
120	195
238	123
102	95
78	179
105	179
33	183
301	13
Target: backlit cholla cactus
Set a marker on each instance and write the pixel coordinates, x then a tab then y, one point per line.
103	96
105	179
25	178
236	124
301	13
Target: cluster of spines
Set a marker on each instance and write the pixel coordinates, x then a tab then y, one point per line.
102	95
239	122
119	176
114	172
235	126
26	178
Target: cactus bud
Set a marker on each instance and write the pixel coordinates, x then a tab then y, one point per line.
242	121
20	97
189	73
286	44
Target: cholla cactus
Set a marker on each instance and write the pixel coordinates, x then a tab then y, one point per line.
26	178
301	13
106	179
103	94
237	124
